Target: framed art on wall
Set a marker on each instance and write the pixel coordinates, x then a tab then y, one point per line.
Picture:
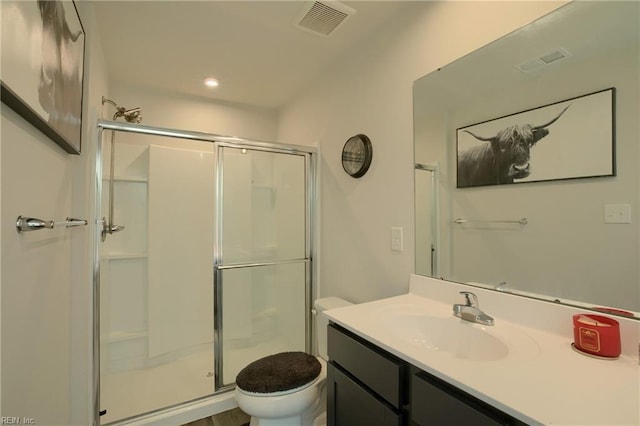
570	139
43	67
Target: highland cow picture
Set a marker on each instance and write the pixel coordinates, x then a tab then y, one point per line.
43	66
569	139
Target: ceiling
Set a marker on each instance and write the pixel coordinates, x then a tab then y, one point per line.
255	50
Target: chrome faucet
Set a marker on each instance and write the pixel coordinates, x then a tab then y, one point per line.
470	311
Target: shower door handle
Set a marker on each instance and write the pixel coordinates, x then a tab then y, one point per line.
109	229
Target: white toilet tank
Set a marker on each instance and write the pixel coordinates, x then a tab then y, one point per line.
321	305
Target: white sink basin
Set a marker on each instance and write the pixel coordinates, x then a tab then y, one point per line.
461	339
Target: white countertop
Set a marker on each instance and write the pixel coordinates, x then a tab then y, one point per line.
542	381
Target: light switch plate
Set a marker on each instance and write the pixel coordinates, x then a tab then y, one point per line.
617	213
397	243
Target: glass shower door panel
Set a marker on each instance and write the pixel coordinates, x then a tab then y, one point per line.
264	207
263	274
156	277
263	313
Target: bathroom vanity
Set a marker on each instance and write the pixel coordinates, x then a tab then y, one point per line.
368	385
407	360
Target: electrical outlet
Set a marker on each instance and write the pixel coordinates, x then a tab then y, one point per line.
617	213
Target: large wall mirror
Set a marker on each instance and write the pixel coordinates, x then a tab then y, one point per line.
574	239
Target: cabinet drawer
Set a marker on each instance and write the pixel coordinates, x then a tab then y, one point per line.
376	369
435	402
349	404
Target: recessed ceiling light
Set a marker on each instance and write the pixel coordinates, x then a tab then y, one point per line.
211	82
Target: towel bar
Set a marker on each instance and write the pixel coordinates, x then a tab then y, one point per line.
24	224
522	221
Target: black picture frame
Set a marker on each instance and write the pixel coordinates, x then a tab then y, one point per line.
569	139
42	75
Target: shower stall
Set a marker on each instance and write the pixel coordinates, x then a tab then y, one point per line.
208	268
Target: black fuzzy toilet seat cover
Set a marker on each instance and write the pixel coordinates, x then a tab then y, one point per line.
279	372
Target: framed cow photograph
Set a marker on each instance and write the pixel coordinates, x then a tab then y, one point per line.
569	139
42	71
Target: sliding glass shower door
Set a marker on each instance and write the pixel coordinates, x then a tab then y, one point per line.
209	270
263	257
156	274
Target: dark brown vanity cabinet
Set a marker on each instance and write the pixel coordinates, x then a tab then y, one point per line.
367	386
436	402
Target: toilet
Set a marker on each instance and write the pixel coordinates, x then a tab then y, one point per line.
288	388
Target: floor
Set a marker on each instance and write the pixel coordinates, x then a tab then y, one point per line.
235	417
125	393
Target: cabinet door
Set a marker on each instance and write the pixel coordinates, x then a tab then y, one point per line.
434	402
376	369
349	404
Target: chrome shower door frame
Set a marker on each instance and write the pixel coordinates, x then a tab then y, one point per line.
309	154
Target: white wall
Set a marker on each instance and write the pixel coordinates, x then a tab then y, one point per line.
36	275
46	275
168	110
83	201
370	92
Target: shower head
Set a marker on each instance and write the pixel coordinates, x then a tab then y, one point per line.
130	115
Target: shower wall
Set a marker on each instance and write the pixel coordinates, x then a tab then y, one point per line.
181	223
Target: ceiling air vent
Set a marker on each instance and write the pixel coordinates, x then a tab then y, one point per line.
324	17
546	59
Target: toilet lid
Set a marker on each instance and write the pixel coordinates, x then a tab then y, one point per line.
279	372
